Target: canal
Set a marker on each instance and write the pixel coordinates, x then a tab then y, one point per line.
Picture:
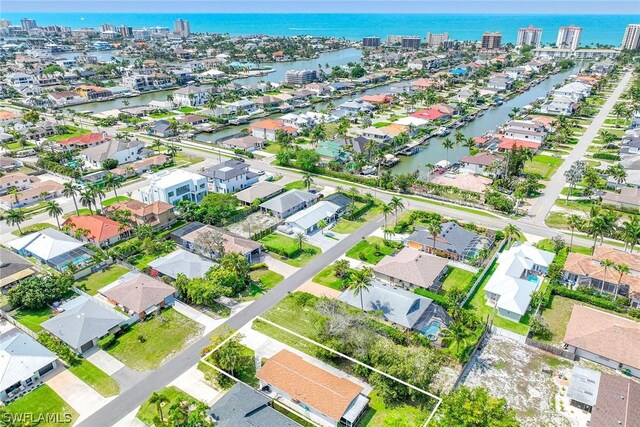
491	119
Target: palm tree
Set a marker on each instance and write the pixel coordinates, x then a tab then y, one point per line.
607	264
359	282
434	228
430	167
457	332
54	209
159	399
575	222
397	204
113	182
69	189
448	144
86	199
15	217
619	110
307	179
622	269
301	238
386	210
631	232
96	191
511	231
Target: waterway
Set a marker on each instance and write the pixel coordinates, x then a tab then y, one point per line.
491	119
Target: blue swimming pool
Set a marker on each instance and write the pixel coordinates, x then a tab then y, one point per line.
533	278
431	331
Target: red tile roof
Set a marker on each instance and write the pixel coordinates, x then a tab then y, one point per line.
268	124
86	139
509	143
428	114
100	227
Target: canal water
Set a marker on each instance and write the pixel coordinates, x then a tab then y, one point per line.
491	119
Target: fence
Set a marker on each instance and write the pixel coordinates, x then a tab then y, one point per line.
473	289
19	325
467	367
551	349
508	334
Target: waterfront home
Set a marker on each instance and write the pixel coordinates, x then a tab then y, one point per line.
430	114
267	129
180	262
453	242
289	203
375	134
173	186
356	106
189	238
139	295
604	338
397	306
92	93
480	163
507	144
230	176
13	269
307	220
242	105
248	143
424	84
577	91
192	119
580	269
335	400
83	141
65	98
122	151
99	229
159	215
518	274
559	105
410	269
82	321
162	128
501	83
23	362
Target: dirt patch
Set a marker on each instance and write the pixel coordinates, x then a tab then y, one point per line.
253	224
523	375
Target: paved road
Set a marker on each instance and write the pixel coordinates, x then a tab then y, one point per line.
127	401
543	205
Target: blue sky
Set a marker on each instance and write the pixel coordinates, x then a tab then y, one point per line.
570	7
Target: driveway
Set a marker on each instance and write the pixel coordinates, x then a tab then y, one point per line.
76	393
319	290
278	266
208	322
194	384
324	242
104	361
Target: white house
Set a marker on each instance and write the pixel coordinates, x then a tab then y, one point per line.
289	203
307	220
560	105
191	96
174	186
575	90
230	176
518	275
19	79
23	361
122	151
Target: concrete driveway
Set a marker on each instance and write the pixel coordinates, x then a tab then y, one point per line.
209	323
104	361
76	393
324	242
194	384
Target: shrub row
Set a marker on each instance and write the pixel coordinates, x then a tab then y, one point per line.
606	156
63	351
437	298
591	299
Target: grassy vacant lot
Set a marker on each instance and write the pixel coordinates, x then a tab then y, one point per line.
162	339
74	132
370	250
44	401
482	310
544	165
327	278
457	278
266	279
32	318
96	378
345	226
32	228
93	282
81	211
556	220
296	185
185	158
112	200
280	244
148	411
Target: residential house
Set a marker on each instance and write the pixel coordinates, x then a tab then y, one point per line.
248	143
23	362
18	180
191	96
141	166
507	144
162	128
397	306
139	295
13	268
192	119
525	130
307	220
266	129
180	262
410	269
332	151
173	186
289	203
84	141
375	134
230	176
604	338
188	238
628	197
580	269
242	105
82	321
100	230
577	91
8	164
480	163
39	191
343	202
261	191
518	275
500	83
336	400
453	242
559	105
65	98
42	130
159	215
19	79
431	114
243	406
93	93
424	84
122	151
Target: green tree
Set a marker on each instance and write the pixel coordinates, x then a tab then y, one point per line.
53	209
34	293
387	209
457	333
159	400
15	217
607	264
307	179
307	160
113	182
70	189
340	268
301	238
474	407
239	265
434	228
575	222
621	269
359	281
397	204
448	144
511	231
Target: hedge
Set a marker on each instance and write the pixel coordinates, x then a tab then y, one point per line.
591	299
606	156
63	351
437	298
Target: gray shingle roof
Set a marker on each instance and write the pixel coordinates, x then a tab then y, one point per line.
288	200
182	262
20	357
226	170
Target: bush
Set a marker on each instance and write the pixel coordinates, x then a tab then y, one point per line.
635	313
58	347
108	342
591	299
437	298
606	156
258	266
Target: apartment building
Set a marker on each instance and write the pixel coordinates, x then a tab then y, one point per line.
569	37
529	36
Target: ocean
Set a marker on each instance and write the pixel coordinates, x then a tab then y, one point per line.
602	29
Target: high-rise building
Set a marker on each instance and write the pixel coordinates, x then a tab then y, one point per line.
28	24
410	42
370	41
107	27
529	36
631	39
491	40
125	32
436	40
300	77
181	27
569	37
4	23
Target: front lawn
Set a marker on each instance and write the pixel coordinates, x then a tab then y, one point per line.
187	110
92	283
346	226
81	211
164	335
544	165
75	132
296	185
483	311
96	378
370	250
44	402
161	115
148	412
33	228
457	278
113	200
328	278
266	279
32	318
287	249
